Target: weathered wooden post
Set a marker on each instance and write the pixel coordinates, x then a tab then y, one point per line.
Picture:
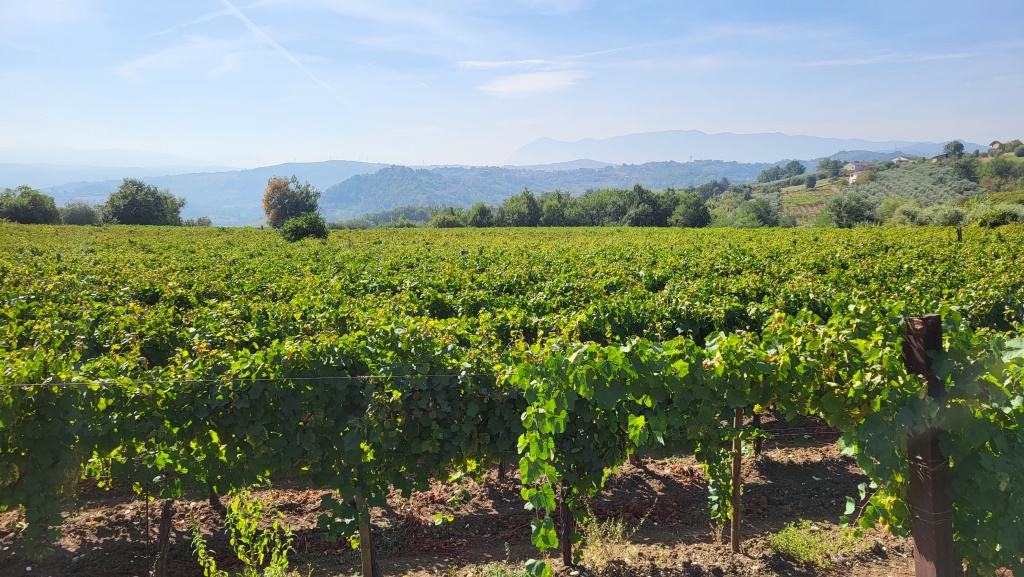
959	234
163	539
737	480
367	551
930	505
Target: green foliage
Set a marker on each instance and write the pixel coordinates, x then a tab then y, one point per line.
450	218
309	225
811	181
1000	215
755	214
1011	197
456	186
791	169
136	202
519	210
79	212
286	199
691	212
925	183
830	168
26	205
262	552
813	545
954	147
967	169
845	210
202	221
480	216
1019	151
382	361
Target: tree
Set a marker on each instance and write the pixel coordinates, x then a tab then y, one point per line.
811	181
830	168
286	199
553	208
967	169
306	225
81	213
755	214
136	202
691	212
480	215
202	221
27	205
519	210
954	147
848	209
447	218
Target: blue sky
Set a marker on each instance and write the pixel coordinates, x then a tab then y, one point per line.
249	82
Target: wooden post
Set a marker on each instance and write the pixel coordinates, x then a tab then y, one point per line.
930	506
568	526
959	234
215	503
367	552
163	539
737	479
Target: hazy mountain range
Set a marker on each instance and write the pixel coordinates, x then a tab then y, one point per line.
683	145
351	189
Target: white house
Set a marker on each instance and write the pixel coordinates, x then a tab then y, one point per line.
906	158
852	167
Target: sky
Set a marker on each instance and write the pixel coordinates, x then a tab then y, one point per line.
247	83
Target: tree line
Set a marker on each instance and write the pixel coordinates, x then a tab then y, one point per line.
134	202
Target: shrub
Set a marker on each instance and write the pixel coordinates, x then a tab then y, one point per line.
201	221
944	216
1019	151
80	212
1000	215
848	209
813	545
445	220
309	225
811	181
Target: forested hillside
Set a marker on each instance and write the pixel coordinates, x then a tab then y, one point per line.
402	186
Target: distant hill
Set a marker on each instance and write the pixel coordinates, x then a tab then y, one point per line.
861	155
571	165
49	175
228	198
403	186
681	145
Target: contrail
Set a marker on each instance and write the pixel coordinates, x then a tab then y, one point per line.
281	49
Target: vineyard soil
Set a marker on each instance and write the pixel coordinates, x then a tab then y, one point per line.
801	475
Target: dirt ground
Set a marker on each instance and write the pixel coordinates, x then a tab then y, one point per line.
662	503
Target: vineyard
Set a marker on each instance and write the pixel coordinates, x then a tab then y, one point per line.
188	362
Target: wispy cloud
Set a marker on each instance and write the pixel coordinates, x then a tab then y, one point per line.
209	17
554	6
500	64
265	38
888	57
218	56
520	85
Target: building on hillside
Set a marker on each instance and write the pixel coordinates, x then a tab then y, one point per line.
995	145
906	158
943	156
854	175
852	167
